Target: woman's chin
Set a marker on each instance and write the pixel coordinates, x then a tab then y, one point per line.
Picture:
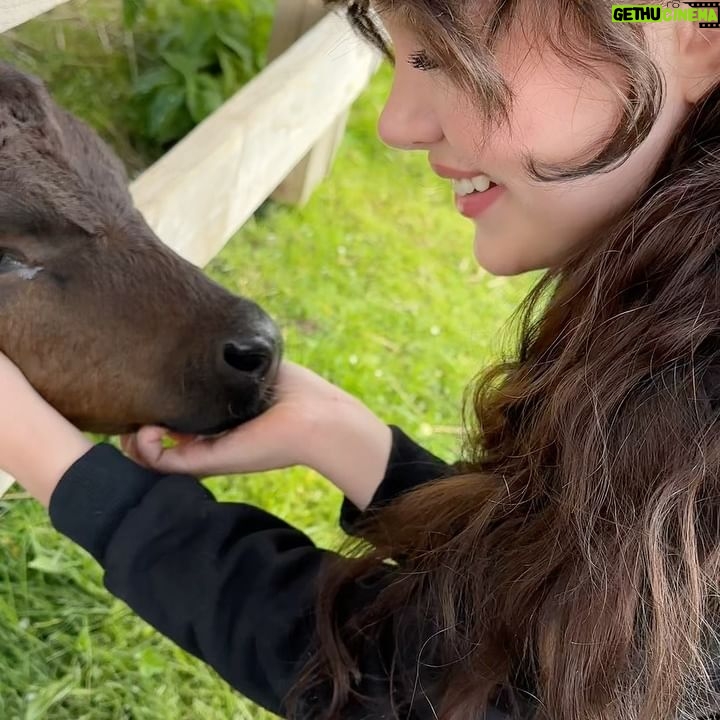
498	263
498	257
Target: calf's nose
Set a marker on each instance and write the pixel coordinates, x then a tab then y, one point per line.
249	356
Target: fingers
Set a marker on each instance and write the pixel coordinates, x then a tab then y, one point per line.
128	443
149	445
192	456
147	448
256	446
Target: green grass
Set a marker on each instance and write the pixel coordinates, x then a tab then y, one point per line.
375	286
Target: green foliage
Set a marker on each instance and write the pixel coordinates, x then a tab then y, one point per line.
192	56
131	11
143	72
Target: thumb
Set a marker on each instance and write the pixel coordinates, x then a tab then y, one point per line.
194	455
147	447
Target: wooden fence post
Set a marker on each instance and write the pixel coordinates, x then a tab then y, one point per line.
292	19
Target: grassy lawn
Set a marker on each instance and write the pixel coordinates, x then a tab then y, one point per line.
375	286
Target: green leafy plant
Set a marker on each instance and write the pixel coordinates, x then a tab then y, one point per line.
131	10
192	55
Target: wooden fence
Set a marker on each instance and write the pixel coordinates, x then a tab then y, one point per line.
269	140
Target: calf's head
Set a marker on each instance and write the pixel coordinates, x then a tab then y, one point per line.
110	325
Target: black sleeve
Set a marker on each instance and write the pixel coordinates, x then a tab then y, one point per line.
228	582
409	466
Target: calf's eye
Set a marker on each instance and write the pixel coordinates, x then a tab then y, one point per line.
10	262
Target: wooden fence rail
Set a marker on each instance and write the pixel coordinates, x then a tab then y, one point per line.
16	12
276	137
208	185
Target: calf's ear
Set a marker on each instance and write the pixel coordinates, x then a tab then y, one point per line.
24	101
26	110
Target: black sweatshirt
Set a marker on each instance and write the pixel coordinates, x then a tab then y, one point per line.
228	582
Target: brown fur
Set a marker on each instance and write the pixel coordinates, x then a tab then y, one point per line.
109	324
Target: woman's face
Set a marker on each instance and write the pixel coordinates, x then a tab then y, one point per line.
557	116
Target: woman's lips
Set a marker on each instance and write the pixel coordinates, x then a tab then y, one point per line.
475	204
470	204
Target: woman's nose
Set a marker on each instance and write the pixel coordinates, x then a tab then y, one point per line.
408	120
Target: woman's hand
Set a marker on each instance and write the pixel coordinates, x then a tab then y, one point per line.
312	423
37	444
276	439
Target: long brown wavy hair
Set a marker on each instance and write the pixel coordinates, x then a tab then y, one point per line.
570	569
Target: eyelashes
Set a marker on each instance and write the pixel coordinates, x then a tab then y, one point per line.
420	60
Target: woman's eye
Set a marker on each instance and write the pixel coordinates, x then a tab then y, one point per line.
422	61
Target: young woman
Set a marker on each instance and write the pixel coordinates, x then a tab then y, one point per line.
568	567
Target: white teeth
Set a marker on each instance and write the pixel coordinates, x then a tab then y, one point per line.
463	187
479	183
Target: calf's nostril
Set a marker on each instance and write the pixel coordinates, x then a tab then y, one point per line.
252	357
